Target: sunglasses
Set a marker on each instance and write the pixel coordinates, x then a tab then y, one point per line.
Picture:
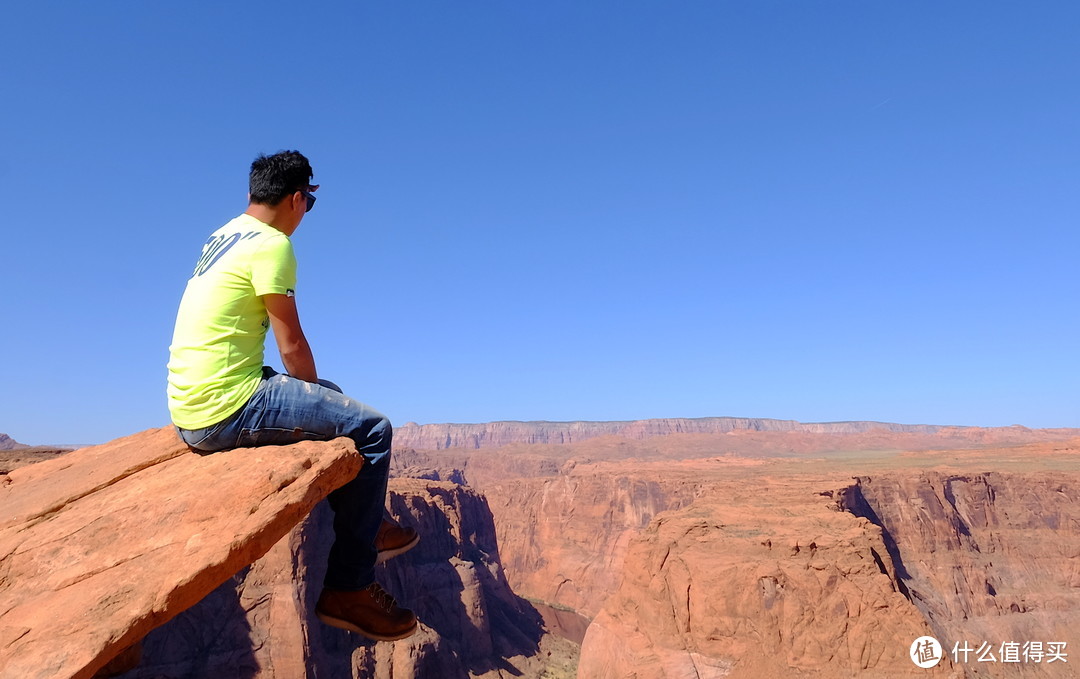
310	200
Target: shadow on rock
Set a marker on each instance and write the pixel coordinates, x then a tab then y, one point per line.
212	638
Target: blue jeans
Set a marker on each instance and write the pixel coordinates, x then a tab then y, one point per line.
286	410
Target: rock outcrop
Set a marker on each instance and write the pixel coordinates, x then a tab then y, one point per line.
102	545
754	581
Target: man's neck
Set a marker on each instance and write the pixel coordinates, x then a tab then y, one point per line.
269	214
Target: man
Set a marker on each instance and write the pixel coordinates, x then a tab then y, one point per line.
221	395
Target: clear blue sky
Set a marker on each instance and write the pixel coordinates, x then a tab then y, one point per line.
559	210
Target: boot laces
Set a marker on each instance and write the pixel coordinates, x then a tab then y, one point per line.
381	596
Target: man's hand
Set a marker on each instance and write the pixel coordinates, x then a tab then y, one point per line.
292	345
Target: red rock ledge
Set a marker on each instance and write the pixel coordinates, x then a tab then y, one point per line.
102	545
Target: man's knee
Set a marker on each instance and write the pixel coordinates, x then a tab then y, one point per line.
385	429
374	434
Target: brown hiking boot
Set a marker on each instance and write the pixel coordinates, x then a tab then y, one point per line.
370	611
394	539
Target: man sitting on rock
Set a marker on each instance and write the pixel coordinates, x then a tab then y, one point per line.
221	395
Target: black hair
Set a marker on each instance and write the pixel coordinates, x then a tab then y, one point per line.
275	177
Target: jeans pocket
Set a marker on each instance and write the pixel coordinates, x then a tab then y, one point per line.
202	439
270	436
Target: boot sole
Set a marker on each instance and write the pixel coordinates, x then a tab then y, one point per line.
346	625
387	554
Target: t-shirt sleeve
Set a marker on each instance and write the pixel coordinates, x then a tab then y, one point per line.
273	268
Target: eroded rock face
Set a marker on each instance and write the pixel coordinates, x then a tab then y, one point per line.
261	623
102	545
990	557
763	581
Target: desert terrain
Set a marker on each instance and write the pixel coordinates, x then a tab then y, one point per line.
685	548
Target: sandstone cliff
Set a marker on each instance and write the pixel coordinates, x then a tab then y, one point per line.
566	536
102	545
986	557
762	580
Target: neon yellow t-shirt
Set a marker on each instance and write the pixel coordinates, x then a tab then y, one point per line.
216	356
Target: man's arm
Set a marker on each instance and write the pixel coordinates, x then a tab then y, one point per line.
292	345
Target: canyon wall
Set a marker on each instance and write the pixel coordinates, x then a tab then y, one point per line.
986	557
565	537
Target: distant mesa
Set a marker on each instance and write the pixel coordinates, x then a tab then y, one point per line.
496	434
